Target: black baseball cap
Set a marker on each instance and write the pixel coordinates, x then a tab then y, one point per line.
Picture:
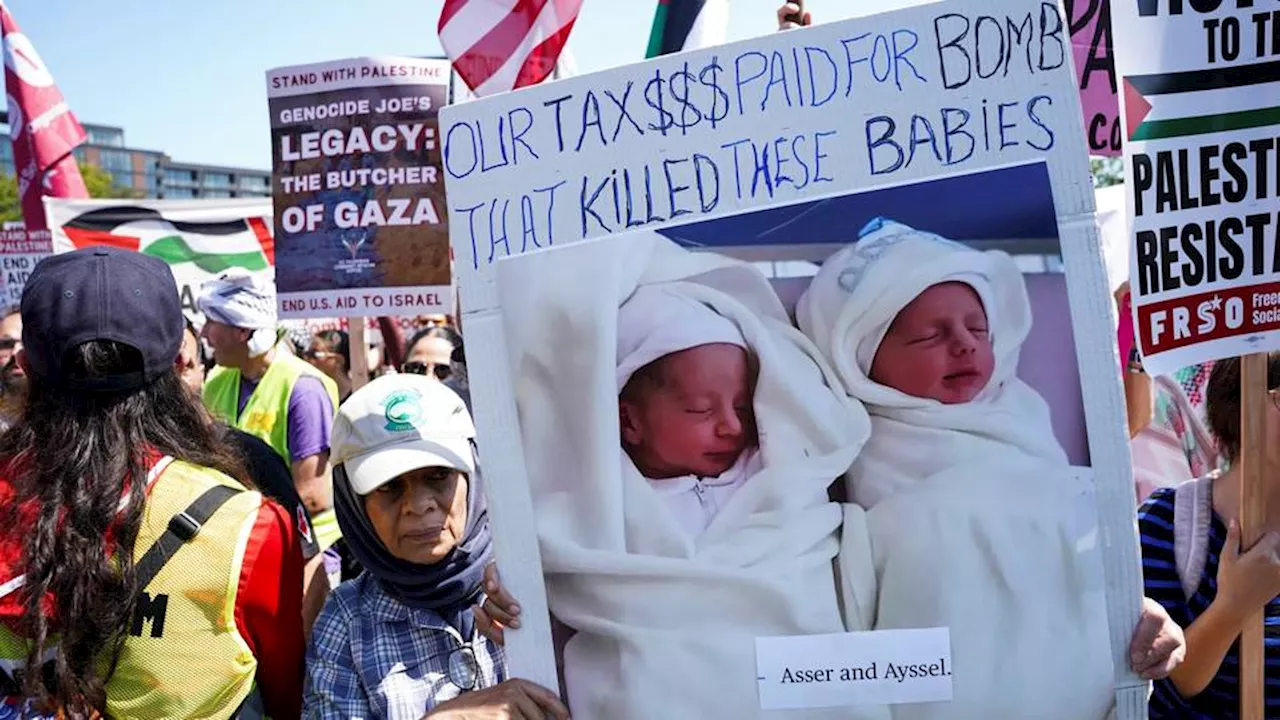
101	293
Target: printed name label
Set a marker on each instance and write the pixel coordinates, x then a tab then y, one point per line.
882	667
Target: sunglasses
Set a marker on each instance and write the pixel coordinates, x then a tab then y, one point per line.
442	372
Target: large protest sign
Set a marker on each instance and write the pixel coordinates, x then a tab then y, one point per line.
360	224
957	118
20	250
1201	124
198	238
1200	114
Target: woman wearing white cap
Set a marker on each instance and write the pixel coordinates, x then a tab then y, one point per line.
401	640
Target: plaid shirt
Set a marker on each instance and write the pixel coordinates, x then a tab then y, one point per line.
372	656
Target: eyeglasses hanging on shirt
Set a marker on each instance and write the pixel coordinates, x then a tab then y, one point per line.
464	668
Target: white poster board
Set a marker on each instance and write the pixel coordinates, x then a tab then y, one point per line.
929	94
1200	89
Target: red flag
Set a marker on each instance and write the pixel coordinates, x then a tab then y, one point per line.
499	45
41	126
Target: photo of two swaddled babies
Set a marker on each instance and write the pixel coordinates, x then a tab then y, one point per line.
971	508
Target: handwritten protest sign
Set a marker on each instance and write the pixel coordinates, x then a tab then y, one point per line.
788	126
1089	22
709	112
1201	131
19	252
360	227
1095	67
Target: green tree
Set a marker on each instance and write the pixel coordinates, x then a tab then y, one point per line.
97	181
10	207
1107	171
100	184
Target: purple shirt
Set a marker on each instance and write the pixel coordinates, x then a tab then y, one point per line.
310	416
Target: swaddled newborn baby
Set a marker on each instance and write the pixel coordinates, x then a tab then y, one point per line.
686	384
679	456
977	522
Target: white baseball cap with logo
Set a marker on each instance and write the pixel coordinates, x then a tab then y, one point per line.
399	423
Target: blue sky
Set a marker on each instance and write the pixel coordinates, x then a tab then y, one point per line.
187	77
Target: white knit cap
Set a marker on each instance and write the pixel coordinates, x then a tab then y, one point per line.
656	321
865	352
860	290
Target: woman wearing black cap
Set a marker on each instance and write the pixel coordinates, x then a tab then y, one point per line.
138	579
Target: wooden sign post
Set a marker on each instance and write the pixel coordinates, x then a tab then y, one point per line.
358	341
1253	523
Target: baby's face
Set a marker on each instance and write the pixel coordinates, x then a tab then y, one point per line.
938	346
693	414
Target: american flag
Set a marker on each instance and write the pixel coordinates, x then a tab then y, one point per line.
500	45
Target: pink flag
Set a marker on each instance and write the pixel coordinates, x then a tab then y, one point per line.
41	126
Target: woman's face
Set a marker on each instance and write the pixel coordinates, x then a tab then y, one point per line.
323	357
421	515
430	353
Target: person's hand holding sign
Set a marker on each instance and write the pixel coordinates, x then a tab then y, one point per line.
793	15
1247	581
499	610
1158	644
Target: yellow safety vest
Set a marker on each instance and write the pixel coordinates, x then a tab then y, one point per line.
266	415
183	656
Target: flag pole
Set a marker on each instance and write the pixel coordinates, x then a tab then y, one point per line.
358	342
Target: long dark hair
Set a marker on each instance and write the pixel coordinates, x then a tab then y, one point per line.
76	454
440	331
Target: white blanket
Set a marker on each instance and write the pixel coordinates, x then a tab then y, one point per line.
666	622
977	522
695	501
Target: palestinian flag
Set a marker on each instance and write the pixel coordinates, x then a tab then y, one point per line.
198	238
1170	105
212	246
687	25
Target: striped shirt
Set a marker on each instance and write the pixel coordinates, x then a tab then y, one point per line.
1221	699
372	656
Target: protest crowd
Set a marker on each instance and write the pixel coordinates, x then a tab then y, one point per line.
239	510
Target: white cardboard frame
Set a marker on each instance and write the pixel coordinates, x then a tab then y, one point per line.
529	650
